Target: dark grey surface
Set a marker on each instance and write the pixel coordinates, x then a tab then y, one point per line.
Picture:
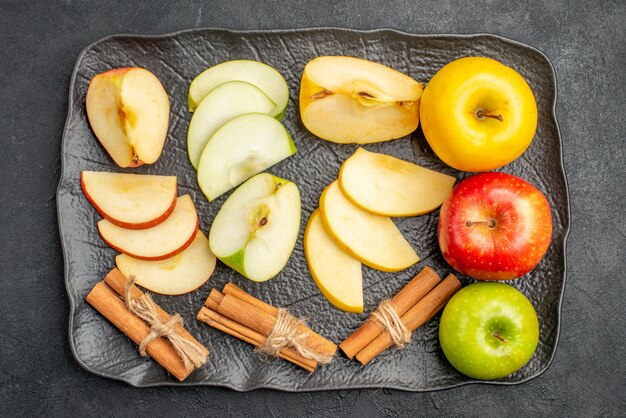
39	44
176	59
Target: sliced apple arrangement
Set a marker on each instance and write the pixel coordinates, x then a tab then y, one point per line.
355	101
156	232
128	110
234	132
476	114
352	228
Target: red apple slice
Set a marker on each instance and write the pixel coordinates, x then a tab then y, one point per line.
128	110
162	241
182	273
132	201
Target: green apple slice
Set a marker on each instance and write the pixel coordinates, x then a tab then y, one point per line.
241	148
256	229
223	103
266	78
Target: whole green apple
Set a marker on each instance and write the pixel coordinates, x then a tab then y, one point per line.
488	330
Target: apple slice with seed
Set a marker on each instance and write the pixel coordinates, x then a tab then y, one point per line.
133	201
352	100
179	274
389	186
159	242
129	110
220	105
241	148
256	229
372	239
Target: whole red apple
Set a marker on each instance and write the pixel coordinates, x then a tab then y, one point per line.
494	226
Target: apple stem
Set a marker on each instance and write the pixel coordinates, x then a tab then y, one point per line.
501	338
481	114
491	223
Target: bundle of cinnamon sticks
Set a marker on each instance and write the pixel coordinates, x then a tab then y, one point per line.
107	297
415	304
241	315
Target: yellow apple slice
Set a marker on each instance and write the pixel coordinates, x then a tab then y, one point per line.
133	201
159	242
337	274
389	186
128	110
372	239
182	273
352	100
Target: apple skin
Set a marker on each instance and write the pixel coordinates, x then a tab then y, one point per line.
117	222
488	330
453	113
128	111
161	257
494	226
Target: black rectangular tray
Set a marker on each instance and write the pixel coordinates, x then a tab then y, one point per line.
176	59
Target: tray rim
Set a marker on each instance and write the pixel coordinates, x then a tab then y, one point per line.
566	224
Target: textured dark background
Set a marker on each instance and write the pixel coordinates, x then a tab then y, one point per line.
39	43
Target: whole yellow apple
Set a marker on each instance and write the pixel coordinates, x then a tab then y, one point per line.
478	114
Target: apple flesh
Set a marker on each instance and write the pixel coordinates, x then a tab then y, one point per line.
337	274
352	100
223	103
266	78
162	241
133	201
494	226
372	239
182	273
488	330
256	229
128	110
478	114
389	186
241	148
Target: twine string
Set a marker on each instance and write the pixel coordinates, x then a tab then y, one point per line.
286	334
388	317
144	307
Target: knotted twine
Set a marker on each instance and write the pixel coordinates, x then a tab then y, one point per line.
144	307
388	317
285	333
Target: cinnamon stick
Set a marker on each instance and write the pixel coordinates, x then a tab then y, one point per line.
250	336
415	317
107	302
233	290
407	297
260	321
117	281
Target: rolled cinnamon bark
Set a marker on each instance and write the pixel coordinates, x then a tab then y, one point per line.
406	298
262	322
233	290
117	281
107	302
250	336
415	317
